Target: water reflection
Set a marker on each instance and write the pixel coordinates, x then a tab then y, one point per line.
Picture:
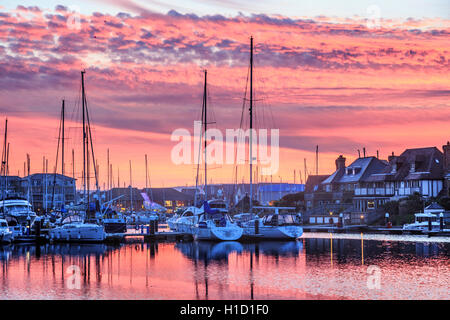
207	251
307	269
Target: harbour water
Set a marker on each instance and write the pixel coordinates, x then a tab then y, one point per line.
310	268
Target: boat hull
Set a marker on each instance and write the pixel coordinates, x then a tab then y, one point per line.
276	232
84	233
218	233
6	237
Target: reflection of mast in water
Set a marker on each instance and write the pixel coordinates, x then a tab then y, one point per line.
195	279
251	275
206	278
331	247
146	266
362	249
98	268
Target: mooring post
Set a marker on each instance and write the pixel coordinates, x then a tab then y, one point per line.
256	226
441	221
152	227
429	224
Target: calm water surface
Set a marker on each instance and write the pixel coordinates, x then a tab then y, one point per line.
311	268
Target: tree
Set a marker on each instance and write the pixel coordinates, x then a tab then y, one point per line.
291	200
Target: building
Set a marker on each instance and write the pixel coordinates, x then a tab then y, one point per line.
418	170
315	194
361	189
170	198
126	199
48	190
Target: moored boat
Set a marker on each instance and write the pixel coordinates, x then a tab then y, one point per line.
6	235
280	224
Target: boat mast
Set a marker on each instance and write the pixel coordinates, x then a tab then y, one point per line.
205	128
4	165
62	155
84	138
251	124
131	190
108	168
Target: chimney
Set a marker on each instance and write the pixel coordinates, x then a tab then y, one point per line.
340	162
446	149
391	157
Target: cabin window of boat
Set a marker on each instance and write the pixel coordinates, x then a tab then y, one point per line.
188	214
286	219
3	224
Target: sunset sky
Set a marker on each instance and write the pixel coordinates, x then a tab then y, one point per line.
342	75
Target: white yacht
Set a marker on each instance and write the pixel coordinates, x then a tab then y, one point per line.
187	220
6	235
421	220
214	223
19	214
281	223
217	227
74	229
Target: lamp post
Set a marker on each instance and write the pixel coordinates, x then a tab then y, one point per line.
386	218
362	219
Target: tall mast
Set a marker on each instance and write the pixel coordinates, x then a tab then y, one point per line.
251	124
62	141
131	190
84	137
88	182
62	154
4	185
146	175
73	177
205	126
109	169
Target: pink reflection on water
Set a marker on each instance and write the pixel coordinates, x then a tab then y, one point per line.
310	269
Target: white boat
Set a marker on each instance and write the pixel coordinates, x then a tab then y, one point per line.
74	229
284	225
217	227
19	214
186	222
421	220
215	224
6	235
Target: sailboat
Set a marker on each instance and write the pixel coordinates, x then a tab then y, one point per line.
212	221
82	227
274	225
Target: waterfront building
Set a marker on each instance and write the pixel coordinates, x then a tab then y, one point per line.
169	198
43	190
47	191
360	190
